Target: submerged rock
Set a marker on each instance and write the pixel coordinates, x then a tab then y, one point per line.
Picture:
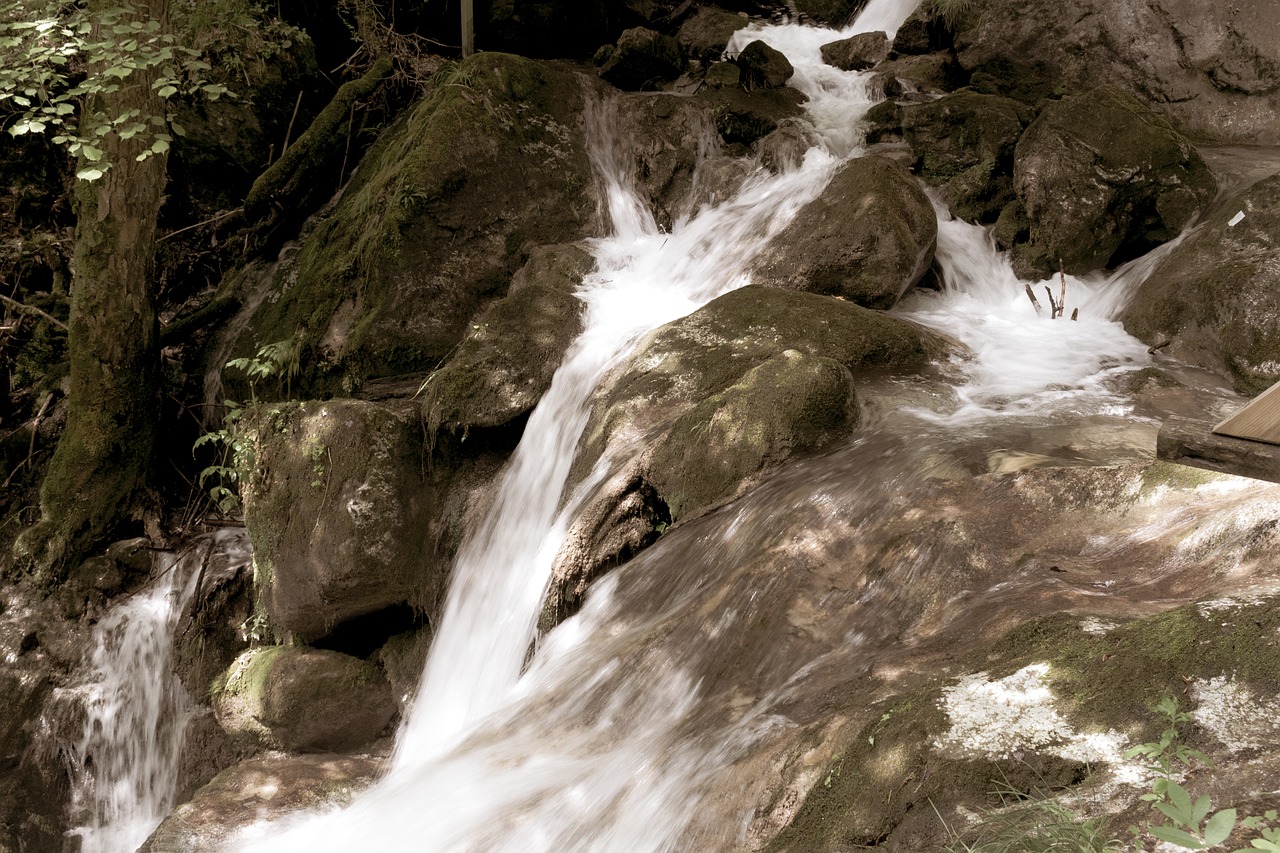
1216	295
1103	179
304	700
868	238
261	789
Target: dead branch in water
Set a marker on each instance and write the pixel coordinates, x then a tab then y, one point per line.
1062	301
1032	296
1053	306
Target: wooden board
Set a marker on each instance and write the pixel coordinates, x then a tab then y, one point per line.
1195	443
1259	420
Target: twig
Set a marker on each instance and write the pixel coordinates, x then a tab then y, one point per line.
22	306
1154	347
31	447
347	151
1062	302
289	130
1075	313
1053	306
1032	296
209	221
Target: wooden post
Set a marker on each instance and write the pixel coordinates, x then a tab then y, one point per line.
468	29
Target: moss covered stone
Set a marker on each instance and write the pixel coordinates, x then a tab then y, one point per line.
305	700
505	363
868	238
791	403
964	143
442	211
1102	179
1217	295
708	30
339	508
643	59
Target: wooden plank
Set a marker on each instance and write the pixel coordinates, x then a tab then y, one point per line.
1192	442
1259	420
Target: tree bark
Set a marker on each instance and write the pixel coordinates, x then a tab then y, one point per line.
101	471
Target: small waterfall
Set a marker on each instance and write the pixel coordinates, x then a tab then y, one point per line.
469	772
125	766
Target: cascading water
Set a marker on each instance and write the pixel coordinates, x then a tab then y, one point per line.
613	783
125	766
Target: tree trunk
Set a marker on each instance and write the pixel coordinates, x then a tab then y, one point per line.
468	29
100	474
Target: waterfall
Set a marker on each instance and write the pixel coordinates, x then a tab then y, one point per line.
125	766
470	772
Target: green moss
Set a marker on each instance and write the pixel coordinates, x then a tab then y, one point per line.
248	677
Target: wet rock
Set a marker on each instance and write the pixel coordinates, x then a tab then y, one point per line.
856	53
304	700
1103	179
403	659
505	363
922	32
763	67
707	32
261	789
217	623
434	223
883	122
643	59
931	74
964	143
789	404
1217	294
784	148
1214	71
868	238
338	510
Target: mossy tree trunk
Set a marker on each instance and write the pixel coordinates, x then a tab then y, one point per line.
100	472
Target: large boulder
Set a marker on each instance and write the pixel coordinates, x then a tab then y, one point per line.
505	363
338	508
1213	70
448	204
868	238
642	59
964	143
856	53
1101	179
791	403
764	67
706	33
1216	295
303	700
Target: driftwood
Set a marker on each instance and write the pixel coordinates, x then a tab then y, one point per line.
1032	296
1191	442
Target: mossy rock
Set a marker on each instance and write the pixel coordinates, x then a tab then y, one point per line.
964	142
856	53
1217	294
303	700
505	363
869	237
764	67
791	403
338	508
1103	179
687	361
931	73
443	210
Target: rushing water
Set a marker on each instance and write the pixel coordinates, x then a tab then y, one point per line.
136	711
623	732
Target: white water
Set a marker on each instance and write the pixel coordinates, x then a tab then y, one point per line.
469	771
125	766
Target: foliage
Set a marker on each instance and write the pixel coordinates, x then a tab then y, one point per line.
1191	825
1038	825
279	360
950	12
56	56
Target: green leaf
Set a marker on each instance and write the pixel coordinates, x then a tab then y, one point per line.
1199	810
167	91
160	146
1176	836
90	174
177	129
1219	827
91	153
